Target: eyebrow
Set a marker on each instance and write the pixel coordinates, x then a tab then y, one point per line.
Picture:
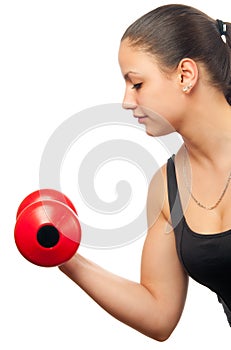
126	76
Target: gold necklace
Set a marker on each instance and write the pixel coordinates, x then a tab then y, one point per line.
195	200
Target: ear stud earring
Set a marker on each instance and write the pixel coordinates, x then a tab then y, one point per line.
187	88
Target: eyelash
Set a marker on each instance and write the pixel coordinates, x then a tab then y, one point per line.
137	86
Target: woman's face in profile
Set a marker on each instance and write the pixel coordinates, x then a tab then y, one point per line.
151	94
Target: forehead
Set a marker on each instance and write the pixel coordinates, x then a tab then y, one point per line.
133	58
127	51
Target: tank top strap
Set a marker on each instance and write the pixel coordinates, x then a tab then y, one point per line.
176	211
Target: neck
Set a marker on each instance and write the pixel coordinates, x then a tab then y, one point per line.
206	132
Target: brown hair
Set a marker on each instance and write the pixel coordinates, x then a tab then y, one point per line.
173	32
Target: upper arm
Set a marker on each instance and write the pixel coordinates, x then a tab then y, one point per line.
161	271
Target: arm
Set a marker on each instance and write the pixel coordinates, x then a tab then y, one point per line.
153	306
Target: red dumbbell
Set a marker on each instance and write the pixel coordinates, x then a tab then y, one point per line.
47	231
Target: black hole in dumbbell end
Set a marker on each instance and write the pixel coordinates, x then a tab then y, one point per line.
48	236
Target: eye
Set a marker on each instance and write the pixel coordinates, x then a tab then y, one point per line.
137	86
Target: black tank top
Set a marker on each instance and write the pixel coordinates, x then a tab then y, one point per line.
205	257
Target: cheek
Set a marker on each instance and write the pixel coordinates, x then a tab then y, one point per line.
154	103
163	101
164	112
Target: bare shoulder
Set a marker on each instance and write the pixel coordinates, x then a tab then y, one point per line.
161	270
157	199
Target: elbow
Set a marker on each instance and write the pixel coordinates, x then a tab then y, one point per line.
165	326
163	333
161	337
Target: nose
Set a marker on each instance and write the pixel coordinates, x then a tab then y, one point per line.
129	101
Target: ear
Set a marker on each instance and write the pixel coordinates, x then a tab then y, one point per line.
187	71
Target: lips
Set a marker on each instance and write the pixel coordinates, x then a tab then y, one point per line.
140	118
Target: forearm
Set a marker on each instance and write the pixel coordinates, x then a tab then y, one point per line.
128	301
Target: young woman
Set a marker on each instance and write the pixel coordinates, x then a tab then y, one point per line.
176	62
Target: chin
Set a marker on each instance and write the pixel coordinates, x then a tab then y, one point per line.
149	134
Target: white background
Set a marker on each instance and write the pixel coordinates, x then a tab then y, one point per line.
58	58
